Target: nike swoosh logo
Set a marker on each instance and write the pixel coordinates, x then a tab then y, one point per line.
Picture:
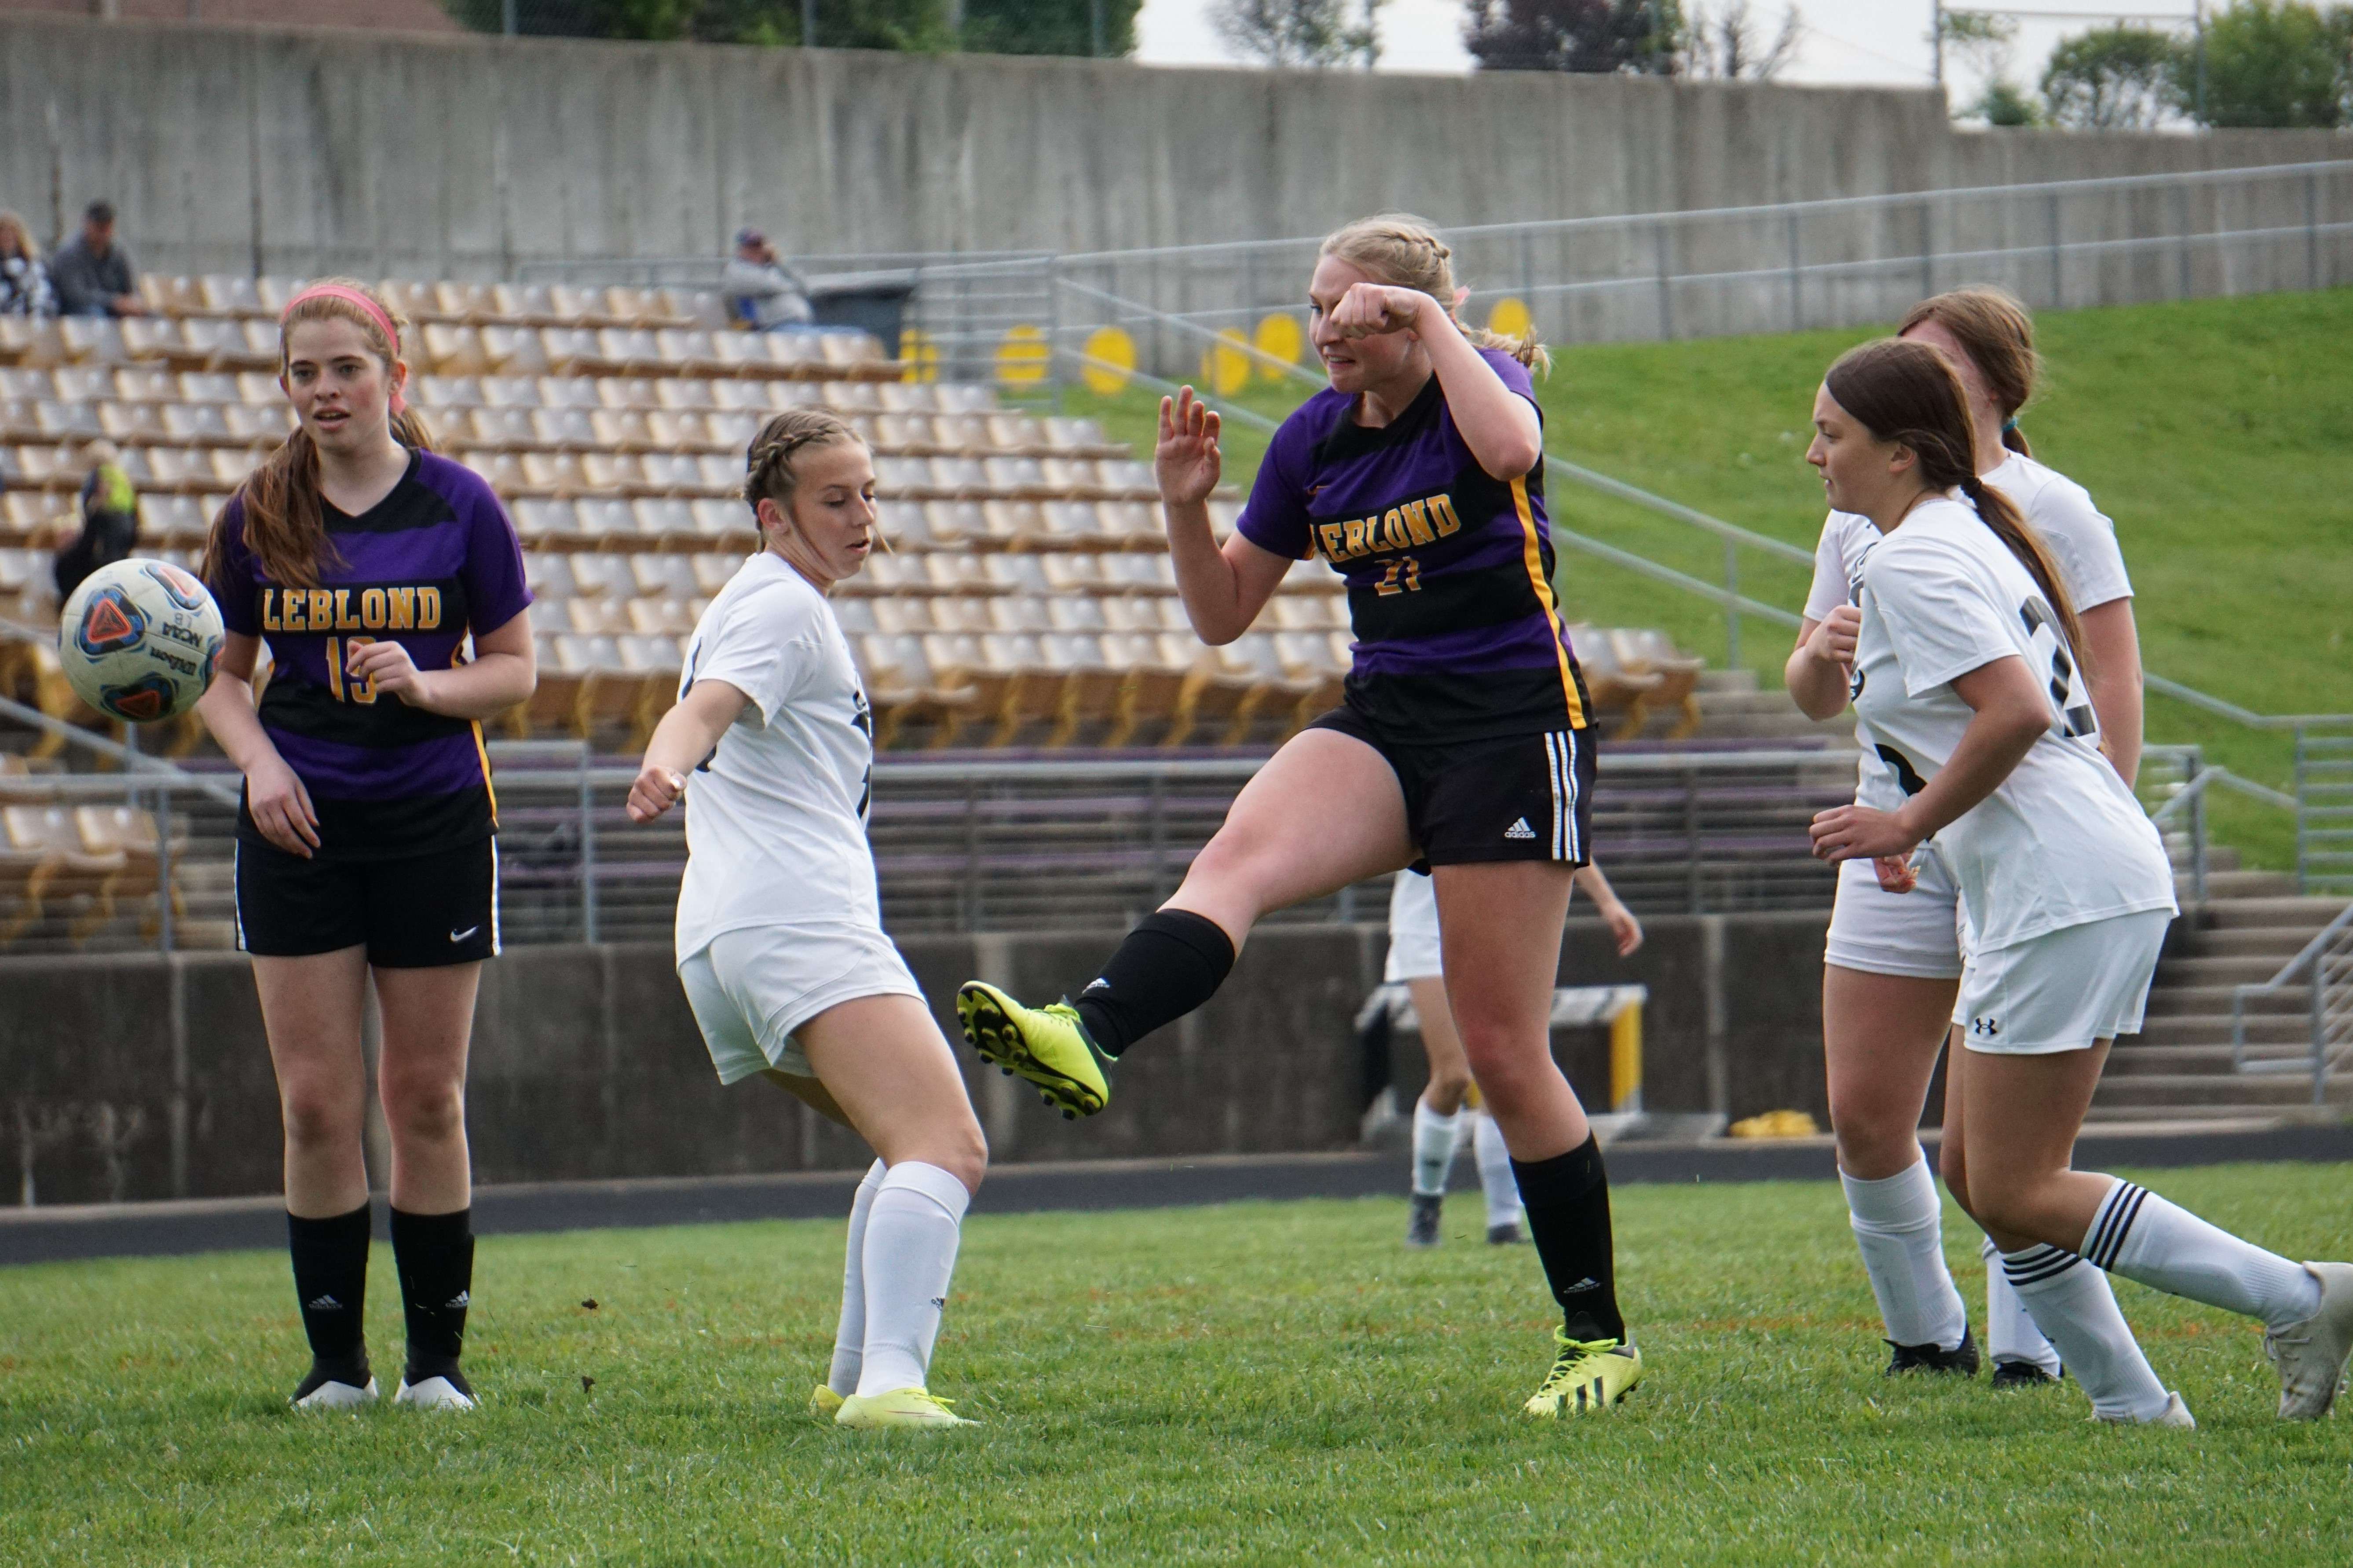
463	935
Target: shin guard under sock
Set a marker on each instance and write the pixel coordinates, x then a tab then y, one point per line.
1171	963
331	1259
1567	1200
435	1255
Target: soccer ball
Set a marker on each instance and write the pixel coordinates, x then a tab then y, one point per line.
139	639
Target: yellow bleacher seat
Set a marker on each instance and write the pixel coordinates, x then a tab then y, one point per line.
1152	687
223	294
1652	653
453	350
545	572
512	351
43	841
1614	687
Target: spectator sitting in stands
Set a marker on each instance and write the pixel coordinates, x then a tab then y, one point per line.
93	276
109	520
24	281
761	293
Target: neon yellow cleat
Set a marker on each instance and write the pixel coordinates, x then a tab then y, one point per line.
900	1408
823	1402
1048	1045
1589	1375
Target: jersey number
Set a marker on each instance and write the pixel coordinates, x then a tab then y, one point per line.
1389	583
361	690
2077	719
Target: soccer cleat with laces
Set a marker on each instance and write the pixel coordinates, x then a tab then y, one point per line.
1588	1375
2311	1355
900	1408
443	1391
2023	1374
823	1402
1048	1045
1421	1221
1962	1358
338	1388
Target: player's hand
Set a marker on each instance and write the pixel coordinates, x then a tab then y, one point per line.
1187	463
281	807
1859	833
1624	929
656	789
1370	310
1894	873
1834	638
385	669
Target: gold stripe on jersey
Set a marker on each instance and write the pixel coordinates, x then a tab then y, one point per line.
1532	555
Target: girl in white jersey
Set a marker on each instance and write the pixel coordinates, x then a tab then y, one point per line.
1967	683
1893	958
780	943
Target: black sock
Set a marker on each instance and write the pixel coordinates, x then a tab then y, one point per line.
1171	963
435	1255
1566	1199
331	1259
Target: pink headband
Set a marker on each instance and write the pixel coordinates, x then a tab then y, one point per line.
352	297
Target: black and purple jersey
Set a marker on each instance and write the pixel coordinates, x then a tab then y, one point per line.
1448	568
434	559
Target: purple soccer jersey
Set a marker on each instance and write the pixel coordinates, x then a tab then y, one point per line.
1448	568
434	560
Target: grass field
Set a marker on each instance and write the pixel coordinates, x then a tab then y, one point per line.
1259	1384
2218	433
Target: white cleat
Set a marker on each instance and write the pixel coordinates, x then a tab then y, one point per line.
2311	1355
2174	1414
436	1394
331	1395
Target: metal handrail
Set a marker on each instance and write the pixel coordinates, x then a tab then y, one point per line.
2314	957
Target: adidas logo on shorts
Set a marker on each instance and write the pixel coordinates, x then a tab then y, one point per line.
1520	829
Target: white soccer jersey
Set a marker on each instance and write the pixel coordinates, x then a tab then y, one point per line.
2082	545
776	817
2062	842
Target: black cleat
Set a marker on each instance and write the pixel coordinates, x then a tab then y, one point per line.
1508	1234
2022	1375
1421	1228
1962	1358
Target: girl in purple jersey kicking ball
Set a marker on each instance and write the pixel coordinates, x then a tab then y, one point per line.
1463	747
364	839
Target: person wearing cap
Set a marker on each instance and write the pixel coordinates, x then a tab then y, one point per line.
107	529
93	276
761	292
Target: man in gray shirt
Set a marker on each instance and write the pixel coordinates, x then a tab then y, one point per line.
93	276
760	291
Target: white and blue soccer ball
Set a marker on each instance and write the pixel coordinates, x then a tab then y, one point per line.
139	639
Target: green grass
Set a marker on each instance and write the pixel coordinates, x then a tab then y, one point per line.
1259	1384
2218	433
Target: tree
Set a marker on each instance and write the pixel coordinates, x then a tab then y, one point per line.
1728	45
1640	36
1312	34
2005	106
1050	26
2110	79
2272	64
840	23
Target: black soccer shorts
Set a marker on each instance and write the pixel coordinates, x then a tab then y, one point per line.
1524	797
419	911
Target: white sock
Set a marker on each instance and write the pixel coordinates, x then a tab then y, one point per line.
1899	1224
1434	1148
2140	1236
850	1334
1495	1176
2074	1307
2011	1333
910	1252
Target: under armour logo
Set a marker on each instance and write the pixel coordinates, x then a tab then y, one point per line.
1988	1027
1520	829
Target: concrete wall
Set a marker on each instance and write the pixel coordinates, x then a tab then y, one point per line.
131	1077
235	149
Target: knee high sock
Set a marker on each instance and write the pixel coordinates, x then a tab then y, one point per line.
2071	1304
1171	963
2140	1236
1899	1224
1567	1203
910	1250
1495	1177
1434	1148
2011	1333
331	1259
435	1255
850	1334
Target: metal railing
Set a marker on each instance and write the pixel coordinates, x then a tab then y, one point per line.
2324	971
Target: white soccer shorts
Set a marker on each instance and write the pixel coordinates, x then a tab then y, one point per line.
1413	929
2062	990
752	988
1916	935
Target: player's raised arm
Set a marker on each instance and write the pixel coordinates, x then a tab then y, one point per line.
1223	588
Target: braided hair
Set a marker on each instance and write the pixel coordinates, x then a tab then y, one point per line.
1405	252
1907	392
768	462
